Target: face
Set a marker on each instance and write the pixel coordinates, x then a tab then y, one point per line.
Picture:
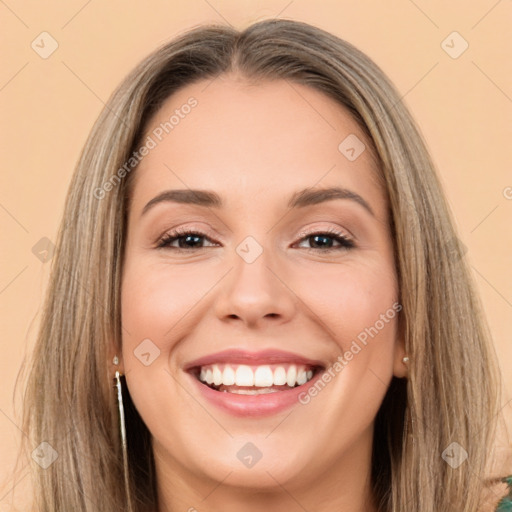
282	297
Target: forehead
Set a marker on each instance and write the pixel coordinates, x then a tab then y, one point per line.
252	141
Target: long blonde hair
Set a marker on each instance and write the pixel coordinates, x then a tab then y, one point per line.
452	391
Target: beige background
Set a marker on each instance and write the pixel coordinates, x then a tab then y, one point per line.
463	106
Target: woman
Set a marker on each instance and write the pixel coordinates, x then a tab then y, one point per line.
257	249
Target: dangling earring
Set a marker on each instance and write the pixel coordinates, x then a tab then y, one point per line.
118	386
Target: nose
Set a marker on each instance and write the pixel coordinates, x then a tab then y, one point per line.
256	293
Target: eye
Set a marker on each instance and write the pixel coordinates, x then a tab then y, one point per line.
191	240
323	239
187	239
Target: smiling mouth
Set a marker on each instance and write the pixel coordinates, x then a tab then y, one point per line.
245	379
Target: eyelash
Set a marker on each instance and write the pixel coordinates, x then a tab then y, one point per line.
346	243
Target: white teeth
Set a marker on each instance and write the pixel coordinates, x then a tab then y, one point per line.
228	376
291	376
302	377
280	376
217	375
244	376
264	376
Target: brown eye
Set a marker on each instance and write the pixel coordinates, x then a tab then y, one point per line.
323	241
187	240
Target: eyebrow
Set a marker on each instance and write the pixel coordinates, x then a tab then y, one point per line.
299	199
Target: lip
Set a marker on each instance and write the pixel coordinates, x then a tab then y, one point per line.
253	405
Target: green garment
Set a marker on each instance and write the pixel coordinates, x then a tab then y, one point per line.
505	505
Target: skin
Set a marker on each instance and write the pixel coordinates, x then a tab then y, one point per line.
255	145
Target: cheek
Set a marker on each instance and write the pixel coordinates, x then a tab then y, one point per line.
358	308
157	304
156	300
350	301
357	305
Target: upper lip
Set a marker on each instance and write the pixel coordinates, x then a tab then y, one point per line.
262	357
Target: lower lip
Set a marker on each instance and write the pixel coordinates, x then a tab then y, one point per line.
265	404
